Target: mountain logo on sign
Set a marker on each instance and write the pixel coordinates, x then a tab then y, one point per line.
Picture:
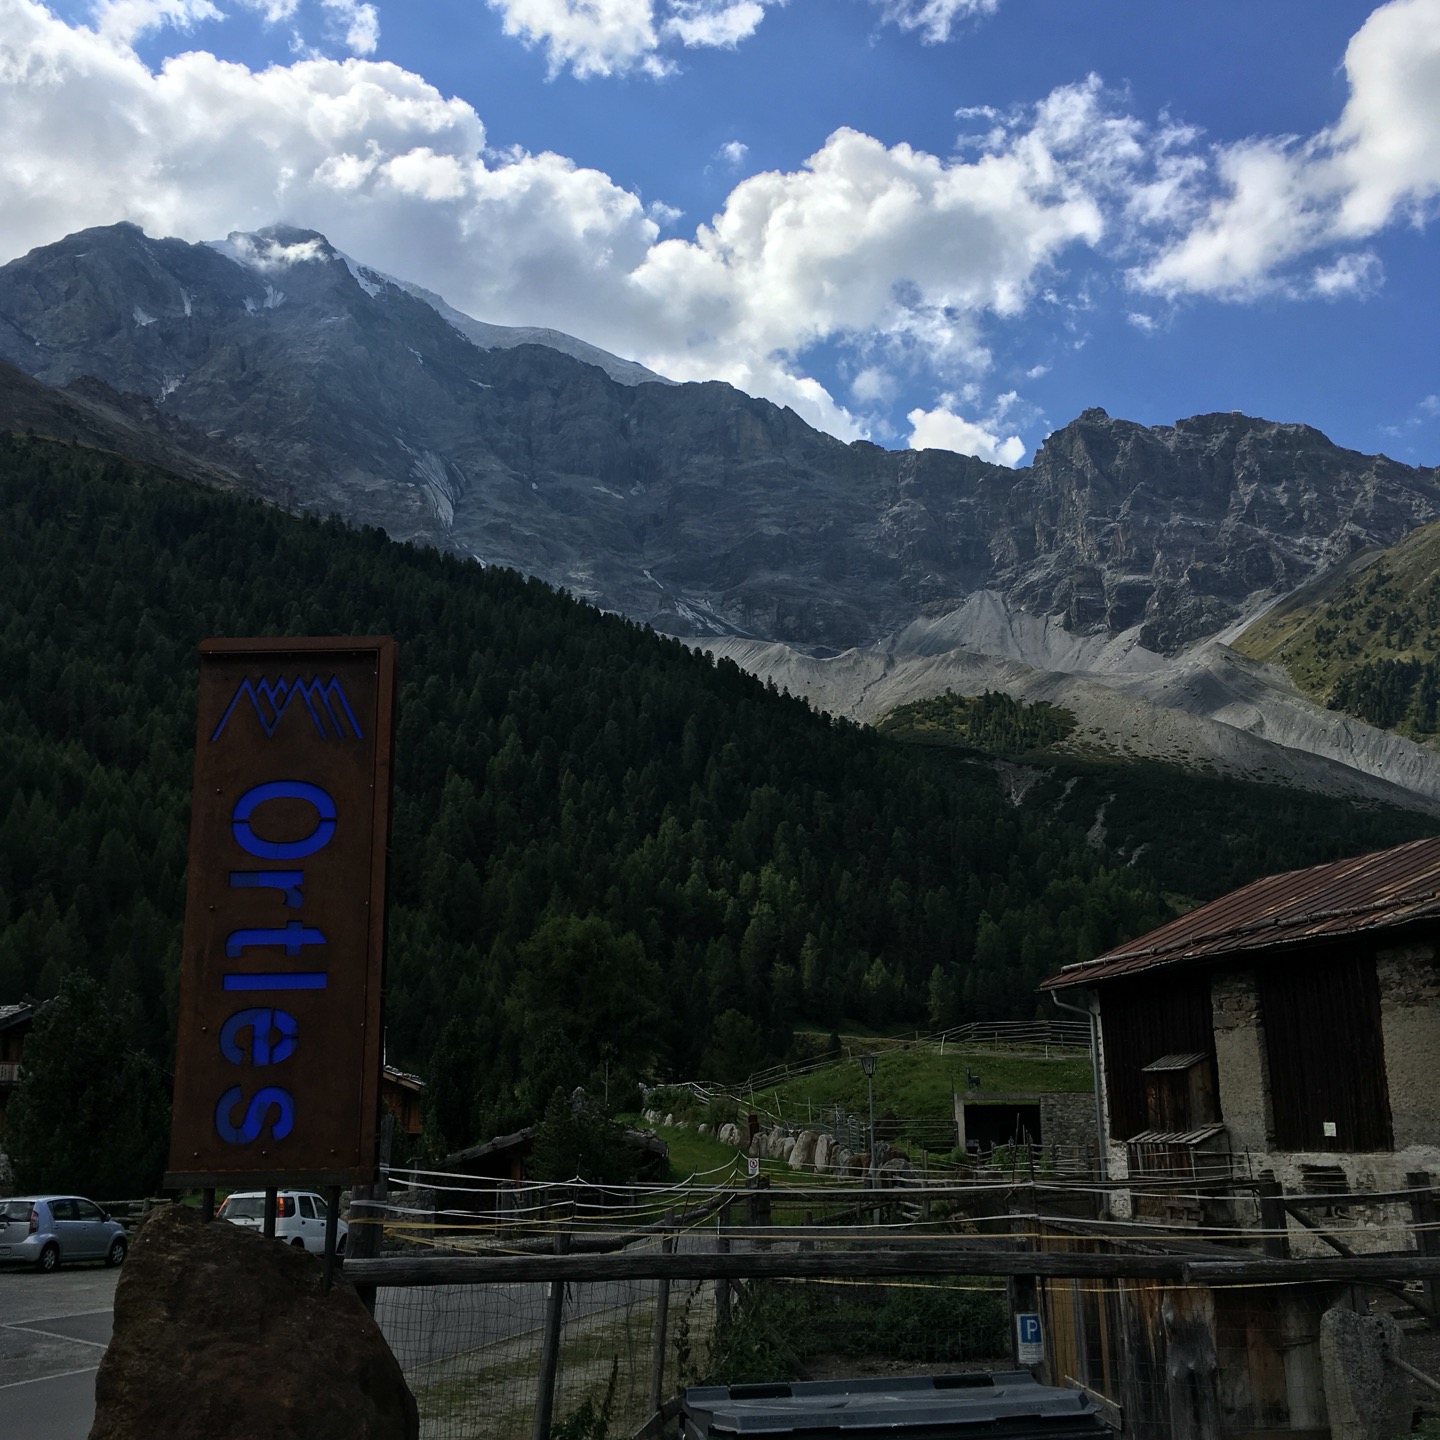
325	700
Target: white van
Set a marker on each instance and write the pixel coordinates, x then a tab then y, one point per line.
299	1217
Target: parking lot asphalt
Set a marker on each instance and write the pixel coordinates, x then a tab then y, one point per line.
53	1331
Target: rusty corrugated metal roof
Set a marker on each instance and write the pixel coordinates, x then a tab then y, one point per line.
1345	897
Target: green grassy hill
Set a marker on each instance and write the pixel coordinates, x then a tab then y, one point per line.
1365	640
918	1083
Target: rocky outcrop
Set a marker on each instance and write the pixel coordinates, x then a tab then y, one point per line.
693	507
221	1334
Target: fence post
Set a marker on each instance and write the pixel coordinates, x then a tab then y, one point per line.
662	1321
369	1200
1427	1237
1272	1217
550	1349
722	1287
332	1230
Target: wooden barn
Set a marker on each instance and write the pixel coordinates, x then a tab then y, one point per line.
1266	1067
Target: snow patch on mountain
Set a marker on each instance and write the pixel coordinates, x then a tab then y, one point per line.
507	337
370	281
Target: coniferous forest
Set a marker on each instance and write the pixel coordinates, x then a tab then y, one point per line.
612	858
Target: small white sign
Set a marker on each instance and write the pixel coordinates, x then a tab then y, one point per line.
1029	1343
1330	1128
752	1166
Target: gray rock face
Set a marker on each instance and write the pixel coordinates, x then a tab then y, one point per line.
692	507
223	1334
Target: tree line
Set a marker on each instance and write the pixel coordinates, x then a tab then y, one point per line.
613	857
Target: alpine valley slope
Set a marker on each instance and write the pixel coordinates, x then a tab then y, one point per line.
1103	575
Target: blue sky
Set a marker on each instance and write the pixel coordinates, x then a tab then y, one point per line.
942	222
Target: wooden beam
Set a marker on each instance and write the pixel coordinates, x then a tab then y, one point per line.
752	1265
749	1265
1336	1269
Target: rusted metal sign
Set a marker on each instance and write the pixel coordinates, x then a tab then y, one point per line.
277	1065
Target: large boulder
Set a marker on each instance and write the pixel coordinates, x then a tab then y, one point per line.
824	1153
221	1334
730	1135
1366	1396
803	1155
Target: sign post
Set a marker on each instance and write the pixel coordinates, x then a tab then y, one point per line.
1029	1340
278	1052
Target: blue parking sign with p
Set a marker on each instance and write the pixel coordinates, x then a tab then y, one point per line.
1029	1345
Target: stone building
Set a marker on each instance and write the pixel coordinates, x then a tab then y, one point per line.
1289	1029
1268	1067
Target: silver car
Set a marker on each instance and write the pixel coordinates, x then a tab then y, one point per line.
46	1230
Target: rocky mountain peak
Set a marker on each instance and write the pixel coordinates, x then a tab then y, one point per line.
696	508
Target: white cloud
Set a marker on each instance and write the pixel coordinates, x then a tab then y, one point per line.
355	24
733	153
613	37
874	386
1349	277
934	19
1145	324
718	23
273	11
886	249
943	429
610	37
359	25
122	21
1269	202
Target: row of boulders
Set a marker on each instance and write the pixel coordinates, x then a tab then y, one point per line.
811	1150
808	1150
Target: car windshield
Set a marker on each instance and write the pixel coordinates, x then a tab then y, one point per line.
15	1210
243	1207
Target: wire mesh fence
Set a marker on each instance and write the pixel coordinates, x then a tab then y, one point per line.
596	1353
473	1354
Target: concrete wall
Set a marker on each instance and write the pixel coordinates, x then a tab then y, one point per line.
1410	1021
1241	1077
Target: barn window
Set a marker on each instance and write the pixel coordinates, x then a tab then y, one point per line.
1325	1054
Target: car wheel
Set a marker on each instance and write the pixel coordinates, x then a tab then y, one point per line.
340	1245
298	1242
49	1259
116	1254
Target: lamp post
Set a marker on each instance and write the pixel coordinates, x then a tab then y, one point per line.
867	1064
